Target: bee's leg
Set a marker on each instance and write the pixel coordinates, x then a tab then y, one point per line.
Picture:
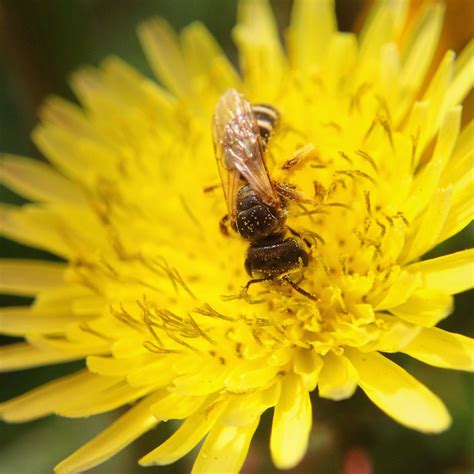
309	237
299	289
256	280
300	279
293	231
224	225
244	294
245	290
300	236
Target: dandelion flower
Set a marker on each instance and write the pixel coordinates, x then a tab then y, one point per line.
139	293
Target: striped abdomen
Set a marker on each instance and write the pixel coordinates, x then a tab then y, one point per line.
267	119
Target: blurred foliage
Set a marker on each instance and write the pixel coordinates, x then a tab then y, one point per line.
41	43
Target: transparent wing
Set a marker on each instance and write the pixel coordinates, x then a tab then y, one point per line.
239	150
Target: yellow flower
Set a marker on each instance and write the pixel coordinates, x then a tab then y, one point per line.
139	294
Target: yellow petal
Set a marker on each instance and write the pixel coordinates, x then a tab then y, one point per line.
378	30
136	421
395	334
463	79
426	181
93	403
312	24
43	400
460	164
292	422
441	348
153	372
17	321
72	298
400	290
112	366
127	83
435	97
461	212
28	277
261	54
340	59
208	380
174	406
426	231
389	73
70	117
76	341
186	437
337	379
38	181
20	356
100	100
81	158
416	127
399	394
419	53
206	59
246	408
452	273
308	365
225	449
425	307
162	49
250	378
33	226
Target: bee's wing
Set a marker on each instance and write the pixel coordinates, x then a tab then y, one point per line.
239	150
231	183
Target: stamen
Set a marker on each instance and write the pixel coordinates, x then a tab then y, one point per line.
368	158
151	328
207	310
333	187
414	140
181	342
199	331
356	172
354	103
152	347
174	276
382	227
212	187
367	202
345	157
332	124
125	317
86	328
190	213
388	129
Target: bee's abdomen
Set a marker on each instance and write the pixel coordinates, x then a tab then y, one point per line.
255	220
267	119
275	258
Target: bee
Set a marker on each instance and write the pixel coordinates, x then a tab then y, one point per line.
257	206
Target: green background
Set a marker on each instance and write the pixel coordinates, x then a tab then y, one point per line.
42	42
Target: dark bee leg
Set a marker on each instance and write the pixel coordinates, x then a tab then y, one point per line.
300	236
293	231
306	236
245	290
299	289
256	280
223	225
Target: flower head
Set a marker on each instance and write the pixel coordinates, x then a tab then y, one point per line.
385	172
